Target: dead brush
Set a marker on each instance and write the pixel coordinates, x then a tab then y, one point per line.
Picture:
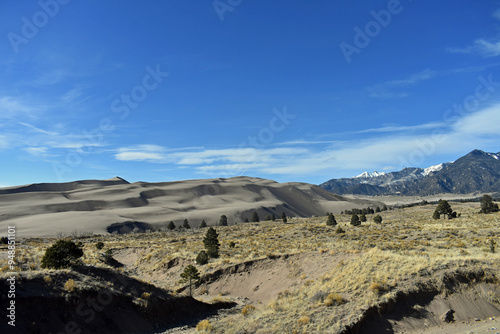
204	326
334	299
380	288
70	285
247	310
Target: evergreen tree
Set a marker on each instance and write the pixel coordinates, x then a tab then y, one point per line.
487	205
268	217
377	209
211	242
246	220
377	219
190	274
186	224
203	223
436	214
171	226
444	208
355	220
255	217
384	208
283	217
223	220
273	217
331	220
362	218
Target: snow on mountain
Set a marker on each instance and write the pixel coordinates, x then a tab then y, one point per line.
493	155
374	174
432	169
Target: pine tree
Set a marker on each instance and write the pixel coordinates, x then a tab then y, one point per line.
255	217
223	220
283	217
355	220
246	220
203	223
331	220
211	242
377	209
273	217
436	214
362	218
186	224
190	274
444	208
487	205
171	226
377	219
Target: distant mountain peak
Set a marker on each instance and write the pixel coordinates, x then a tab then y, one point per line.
477	171
373	174
435	168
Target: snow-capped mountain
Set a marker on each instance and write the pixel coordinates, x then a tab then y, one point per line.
435	168
477	171
366	174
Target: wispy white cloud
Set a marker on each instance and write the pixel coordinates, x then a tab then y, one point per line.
483	122
399	128
72	144
414	78
37	151
481	47
34	128
392	89
387	89
150	153
4	142
391	147
12	107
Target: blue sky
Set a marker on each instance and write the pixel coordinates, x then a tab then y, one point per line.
291	91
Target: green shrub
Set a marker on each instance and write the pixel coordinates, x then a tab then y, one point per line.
331	220
355	220
202	258
62	254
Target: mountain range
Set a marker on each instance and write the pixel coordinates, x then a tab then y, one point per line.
476	172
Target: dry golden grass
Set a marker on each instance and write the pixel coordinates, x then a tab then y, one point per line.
405	246
70	285
204	326
334	299
247	310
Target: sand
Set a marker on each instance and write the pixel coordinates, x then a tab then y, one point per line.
92	206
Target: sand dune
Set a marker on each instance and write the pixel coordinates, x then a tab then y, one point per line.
47	209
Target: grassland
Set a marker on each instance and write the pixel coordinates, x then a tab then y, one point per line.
408	251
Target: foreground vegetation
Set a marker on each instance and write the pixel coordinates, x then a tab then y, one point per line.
385	257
